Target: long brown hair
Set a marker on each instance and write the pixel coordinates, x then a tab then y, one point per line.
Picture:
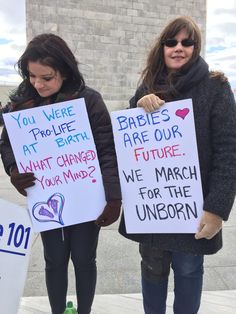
155	69
50	50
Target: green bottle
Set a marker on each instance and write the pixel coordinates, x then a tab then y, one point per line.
70	309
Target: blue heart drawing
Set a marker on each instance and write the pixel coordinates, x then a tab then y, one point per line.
51	210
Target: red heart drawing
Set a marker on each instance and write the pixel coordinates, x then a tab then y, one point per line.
182	113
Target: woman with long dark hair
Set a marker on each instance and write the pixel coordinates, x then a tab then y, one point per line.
50	74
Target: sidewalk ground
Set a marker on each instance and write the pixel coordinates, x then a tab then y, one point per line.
213	302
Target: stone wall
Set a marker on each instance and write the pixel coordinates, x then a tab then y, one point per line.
110	37
5	91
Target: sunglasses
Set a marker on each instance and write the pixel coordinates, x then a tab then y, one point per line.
187	42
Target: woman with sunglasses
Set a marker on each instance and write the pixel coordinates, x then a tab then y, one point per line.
175	70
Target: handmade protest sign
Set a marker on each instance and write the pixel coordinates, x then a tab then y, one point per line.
159	168
15	244
56	143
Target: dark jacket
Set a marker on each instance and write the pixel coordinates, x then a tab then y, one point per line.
103	137
215	122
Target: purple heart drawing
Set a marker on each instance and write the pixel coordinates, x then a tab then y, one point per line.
182	113
51	210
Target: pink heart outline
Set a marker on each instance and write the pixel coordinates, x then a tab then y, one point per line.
52	208
182	113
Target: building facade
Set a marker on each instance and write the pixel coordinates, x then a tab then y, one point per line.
110	38
5	90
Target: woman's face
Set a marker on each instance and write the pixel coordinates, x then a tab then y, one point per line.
175	57
45	79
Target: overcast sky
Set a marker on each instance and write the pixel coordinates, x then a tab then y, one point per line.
12	37
220	48
221	37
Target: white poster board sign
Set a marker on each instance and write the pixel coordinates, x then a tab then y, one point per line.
159	168
15	243
56	143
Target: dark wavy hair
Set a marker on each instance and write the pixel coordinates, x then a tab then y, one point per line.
155	69
50	50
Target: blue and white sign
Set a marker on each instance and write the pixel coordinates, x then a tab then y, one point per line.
15	244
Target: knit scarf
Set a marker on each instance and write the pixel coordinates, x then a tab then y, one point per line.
182	81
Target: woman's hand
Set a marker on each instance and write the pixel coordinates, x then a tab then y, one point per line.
22	181
110	214
150	102
210	225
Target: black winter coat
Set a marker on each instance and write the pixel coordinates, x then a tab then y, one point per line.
215	122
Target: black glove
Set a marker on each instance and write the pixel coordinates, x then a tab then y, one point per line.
22	181
110	213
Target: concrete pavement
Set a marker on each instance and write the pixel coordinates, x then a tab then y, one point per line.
213	302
